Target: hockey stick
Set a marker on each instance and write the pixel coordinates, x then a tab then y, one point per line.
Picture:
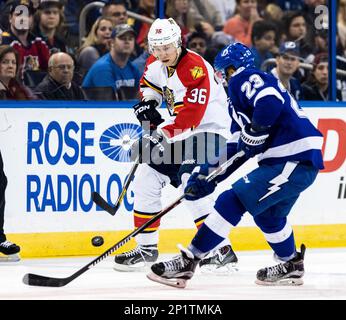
102	203
43	281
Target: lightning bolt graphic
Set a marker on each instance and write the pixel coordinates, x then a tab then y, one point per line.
276	183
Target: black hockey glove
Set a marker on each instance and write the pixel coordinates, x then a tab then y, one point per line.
252	142
146	111
150	148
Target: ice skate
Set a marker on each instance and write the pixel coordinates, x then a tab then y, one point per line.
137	259
220	261
175	272
10	252
288	273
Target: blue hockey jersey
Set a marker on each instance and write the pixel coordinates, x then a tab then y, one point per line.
258	97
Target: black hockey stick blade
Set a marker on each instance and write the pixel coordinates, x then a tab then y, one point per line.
102	203
31	279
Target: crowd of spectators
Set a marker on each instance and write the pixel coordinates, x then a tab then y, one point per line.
43	54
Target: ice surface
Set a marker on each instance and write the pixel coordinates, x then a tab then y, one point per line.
325	278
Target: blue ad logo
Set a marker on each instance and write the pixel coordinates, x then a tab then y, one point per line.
115	142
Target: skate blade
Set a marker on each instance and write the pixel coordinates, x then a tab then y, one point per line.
176	283
214	269
138	267
284	282
10	258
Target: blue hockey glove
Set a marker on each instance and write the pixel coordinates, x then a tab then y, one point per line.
146	111
197	186
252	142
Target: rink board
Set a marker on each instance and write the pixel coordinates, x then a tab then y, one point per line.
57	153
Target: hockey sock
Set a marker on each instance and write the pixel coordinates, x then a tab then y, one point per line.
204	241
227	213
285	250
149	235
279	235
229	207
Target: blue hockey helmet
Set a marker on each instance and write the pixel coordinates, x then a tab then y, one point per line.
236	55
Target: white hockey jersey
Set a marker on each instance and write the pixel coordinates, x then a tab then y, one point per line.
195	99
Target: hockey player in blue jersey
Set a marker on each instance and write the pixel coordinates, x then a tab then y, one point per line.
269	123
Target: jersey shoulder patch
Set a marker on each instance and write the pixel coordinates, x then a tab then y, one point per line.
192	68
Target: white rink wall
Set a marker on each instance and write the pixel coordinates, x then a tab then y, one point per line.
55	156
53	162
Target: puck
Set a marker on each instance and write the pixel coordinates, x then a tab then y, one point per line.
97	241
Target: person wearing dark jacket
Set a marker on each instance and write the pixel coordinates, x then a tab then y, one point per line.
58	84
317	86
10	87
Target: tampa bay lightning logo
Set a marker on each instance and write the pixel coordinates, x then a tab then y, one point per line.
116	141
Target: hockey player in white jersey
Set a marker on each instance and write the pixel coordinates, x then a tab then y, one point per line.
192	129
269	123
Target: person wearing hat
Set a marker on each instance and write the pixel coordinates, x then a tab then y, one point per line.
287	63
33	51
115	67
316	87
48	22
19	22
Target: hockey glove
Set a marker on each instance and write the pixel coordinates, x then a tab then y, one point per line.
252	142
146	111
150	147
197	186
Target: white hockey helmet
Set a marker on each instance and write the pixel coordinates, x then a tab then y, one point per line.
163	32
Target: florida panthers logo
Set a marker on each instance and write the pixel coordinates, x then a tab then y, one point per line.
197	72
169	97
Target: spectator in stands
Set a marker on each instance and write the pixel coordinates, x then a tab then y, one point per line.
264	36
290	5
215	42
10	88
210	13
342	23
147	9
96	44
310	12
316	87
48	25
132	4
185	16
295	29
72	12
273	13
240	26
5	12
114	69
141	60
287	63
116	11
226	9
58	84
197	42
320	41
33	51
